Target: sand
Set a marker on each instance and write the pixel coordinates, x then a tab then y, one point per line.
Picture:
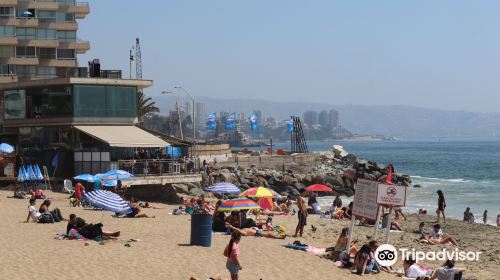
29	250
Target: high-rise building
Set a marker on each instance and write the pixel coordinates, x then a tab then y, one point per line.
201	113
323	118
334	119
311	117
38	39
258	113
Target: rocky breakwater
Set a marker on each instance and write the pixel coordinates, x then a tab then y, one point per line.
336	169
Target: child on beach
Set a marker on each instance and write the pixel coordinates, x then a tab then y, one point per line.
232	252
421	228
71	223
32	212
364	261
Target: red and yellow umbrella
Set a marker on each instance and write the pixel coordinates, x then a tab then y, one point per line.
257	192
266	203
318	188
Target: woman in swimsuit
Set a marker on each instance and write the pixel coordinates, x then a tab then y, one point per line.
256	232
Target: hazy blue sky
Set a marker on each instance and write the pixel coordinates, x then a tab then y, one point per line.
437	54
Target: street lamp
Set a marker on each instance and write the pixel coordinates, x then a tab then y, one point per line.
194	116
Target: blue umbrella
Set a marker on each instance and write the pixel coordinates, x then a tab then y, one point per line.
223	188
6	148
117	174
38	172
110	183
30	174
27	13
20	174
108	201
85	177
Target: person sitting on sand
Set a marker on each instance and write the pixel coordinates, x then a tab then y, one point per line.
93	231
55	214
218	218
399	211
148	205
421	228
394	225
447	272
364	261
436	237
256	232
413	270
32	212
341	247
71	223
136	211
468	216
234	219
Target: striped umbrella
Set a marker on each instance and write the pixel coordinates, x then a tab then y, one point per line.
318	188
108	201
257	192
237	205
223	188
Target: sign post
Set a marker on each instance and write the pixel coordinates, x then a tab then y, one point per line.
391	195
375	230
388	228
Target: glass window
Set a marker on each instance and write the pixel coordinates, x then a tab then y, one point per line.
47	16
26	13
24	71
89	100
7	69
14	104
66	36
66	2
7	31
44	71
26	33
24	51
65	17
46	53
65	54
121	101
7	51
49	102
7	12
46	34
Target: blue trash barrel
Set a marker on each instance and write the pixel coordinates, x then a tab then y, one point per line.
201	230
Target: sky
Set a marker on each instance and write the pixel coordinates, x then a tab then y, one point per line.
435	54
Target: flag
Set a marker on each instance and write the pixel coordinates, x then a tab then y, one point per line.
253	122
290	125
230	121
388	180
211	121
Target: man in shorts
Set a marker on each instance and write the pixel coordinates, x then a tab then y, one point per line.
302	214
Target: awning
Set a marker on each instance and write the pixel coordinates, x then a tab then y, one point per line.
123	136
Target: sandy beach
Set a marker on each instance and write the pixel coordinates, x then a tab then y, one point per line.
30	251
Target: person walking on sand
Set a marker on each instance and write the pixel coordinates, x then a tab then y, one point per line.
232	252
302	215
441	206
485	216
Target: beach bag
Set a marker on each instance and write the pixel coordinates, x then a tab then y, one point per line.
46	218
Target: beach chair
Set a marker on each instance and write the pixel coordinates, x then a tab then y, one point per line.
68	186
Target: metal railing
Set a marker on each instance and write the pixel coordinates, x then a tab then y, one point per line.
157	167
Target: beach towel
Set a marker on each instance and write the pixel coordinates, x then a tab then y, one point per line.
296	247
73	235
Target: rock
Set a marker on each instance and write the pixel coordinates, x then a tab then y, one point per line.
376	174
196	192
299	186
307	180
339	151
349	192
227	177
350	159
181	188
289	180
417	186
293	191
244	181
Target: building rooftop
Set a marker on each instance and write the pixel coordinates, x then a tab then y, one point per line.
140	84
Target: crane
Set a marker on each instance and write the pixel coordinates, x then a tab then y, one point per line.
138	60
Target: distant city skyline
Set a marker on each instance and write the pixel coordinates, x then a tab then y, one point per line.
441	55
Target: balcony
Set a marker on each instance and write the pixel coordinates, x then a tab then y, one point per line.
8	3
19	60
38	5
63	26
8	21
26	22
58	62
39	43
81	9
7	78
8	41
79	46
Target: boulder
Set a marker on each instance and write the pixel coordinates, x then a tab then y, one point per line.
227	177
181	188
289	180
350	159
196	192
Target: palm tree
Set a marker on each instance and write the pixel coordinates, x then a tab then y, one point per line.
145	105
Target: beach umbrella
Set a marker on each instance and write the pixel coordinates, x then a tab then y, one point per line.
257	192
318	188
110	183
85	177
108	201
38	173
117	174
266	203
27	13
6	148
30	174
237	205
21	174
223	188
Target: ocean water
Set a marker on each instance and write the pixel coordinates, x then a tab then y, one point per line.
468	173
